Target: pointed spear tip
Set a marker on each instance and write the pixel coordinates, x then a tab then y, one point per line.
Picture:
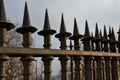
75	32
97	33
46	11
2	11
63	27
63	31
46	21
87	32
113	35
26	18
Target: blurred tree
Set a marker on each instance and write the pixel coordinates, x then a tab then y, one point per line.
14	65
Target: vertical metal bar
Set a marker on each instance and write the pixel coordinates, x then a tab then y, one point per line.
71	62
27	30
46	33
64	59
89	68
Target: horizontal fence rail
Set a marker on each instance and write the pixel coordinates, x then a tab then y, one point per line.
99	60
52	52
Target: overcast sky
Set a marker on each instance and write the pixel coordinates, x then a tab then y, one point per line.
104	12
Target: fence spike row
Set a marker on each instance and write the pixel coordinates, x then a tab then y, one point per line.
47	29
105	40
87	39
26	27
97	39
76	36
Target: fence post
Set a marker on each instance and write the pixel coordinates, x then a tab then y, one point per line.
100	74
71	62
115	68
47	32
108	68
27	30
89	68
4	27
78	66
64	59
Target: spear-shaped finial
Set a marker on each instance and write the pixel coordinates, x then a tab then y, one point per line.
101	34
63	31
63	34
2	12
46	22
109	35
26	28
113	35
113	42
76	31
105	40
87	40
3	20
63	27
76	36
87	31
97	34
47	31
97	39
26	18
105	33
